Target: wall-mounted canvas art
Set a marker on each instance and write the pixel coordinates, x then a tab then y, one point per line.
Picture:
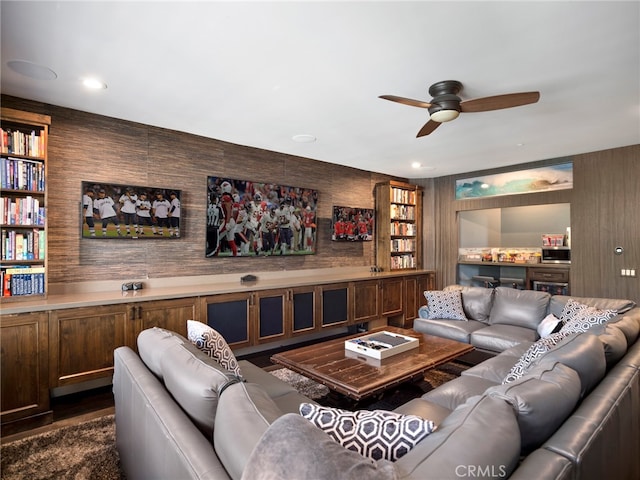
254	219
351	224
118	211
532	180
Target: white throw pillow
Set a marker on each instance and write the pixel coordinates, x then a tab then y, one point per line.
213	344
548	325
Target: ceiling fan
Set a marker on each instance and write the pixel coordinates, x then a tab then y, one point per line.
446	105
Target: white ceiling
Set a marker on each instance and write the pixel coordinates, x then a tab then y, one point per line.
258	73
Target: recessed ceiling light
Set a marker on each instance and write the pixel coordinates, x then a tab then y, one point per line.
304	138
422	167
94	83
32	70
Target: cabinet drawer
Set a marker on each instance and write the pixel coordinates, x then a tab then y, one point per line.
549	275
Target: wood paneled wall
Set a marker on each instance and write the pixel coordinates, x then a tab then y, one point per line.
87	147
605	212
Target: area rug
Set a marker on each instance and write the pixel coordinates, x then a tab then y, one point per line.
79	452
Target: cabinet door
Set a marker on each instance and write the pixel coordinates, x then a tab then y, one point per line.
82	341
169	314
25	362
366	301
304	310
334	305
391	296
272	314
230	315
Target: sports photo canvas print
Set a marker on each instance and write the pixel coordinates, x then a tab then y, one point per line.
254	219
118	211
351	224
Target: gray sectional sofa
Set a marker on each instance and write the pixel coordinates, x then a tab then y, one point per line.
574	413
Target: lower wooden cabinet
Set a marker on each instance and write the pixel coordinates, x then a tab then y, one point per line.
169	314
69	346
25	366
81	343
82	340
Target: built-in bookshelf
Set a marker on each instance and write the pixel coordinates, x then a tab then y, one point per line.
23	202
398	234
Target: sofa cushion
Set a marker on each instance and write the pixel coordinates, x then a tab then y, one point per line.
614	343
481	433
425	409
628	325
557	303
453	329
293	448
213	344
244	414
523	308
152	343
445	305
194	379
584	353
494	369
455	392
535	352
542	400
476	301
376	434
500	337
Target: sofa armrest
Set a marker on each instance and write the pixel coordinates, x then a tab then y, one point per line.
154	437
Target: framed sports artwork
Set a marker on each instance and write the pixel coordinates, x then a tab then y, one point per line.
129	212
352	224
254	219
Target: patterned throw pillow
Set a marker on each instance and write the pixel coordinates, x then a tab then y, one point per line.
213	344
533	353
578	317
376	434
445	305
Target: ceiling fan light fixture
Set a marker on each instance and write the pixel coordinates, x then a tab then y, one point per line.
442	116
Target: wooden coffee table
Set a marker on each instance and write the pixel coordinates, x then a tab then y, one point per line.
358	377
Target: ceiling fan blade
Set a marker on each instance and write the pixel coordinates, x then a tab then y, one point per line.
406	101
498	102
428	127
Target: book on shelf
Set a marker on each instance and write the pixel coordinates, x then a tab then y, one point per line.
22	174
19	142
22	280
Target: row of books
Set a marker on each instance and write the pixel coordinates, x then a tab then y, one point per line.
403	245
403	212
18	142
399	195
27	280
403	261
401	228
21	211
19	246
22	174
